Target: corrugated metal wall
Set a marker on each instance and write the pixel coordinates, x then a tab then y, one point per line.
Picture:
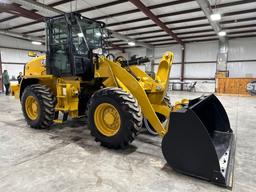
13	59
242	50
200	58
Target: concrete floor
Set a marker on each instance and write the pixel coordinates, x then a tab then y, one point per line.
66	158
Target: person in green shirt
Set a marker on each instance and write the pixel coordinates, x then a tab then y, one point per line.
6	82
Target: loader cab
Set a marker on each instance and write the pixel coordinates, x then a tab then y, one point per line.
71	40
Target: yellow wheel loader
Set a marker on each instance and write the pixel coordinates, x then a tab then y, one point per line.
74	78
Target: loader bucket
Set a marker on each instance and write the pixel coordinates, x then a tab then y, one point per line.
200	142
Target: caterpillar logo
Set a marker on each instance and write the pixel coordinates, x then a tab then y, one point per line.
251	87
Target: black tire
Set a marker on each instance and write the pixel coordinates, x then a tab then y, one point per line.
129	112
46	101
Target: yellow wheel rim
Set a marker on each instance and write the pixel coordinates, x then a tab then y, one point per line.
107	119
32	107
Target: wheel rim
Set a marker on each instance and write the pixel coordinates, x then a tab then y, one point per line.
32	107
107	119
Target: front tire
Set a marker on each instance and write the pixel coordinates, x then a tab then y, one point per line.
114	117
38	106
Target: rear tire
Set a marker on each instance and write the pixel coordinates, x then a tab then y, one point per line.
129	117
45	110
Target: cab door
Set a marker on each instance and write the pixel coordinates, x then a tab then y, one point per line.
59	60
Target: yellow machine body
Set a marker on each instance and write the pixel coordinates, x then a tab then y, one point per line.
148	91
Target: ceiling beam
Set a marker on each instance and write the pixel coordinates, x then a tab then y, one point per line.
145	18
15	9
21	36
166	35
189	20
8	18
199	40
240	26
187	12
159	16
203	40
34	31
197	26
150	25
102	6
199	31
238	20
79	11
166	4
193	26
124	12
155	19
52	11
142	33
59	3
23	25
129	39
51	5
239	12
38	6
241	33
171	4
174	28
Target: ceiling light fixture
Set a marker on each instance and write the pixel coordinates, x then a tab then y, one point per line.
216	17
222	33
131	43
36	42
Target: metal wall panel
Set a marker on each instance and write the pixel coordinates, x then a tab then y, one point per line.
175	71
6	41
242	69
140	52
200	70
242	49
176	49
201	51
14	56
13	70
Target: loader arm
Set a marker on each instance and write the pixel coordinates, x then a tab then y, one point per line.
147	91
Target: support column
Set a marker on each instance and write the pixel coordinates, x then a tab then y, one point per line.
150	53
1	74
182	66
222	57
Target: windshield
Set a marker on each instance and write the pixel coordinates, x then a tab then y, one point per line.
87	34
